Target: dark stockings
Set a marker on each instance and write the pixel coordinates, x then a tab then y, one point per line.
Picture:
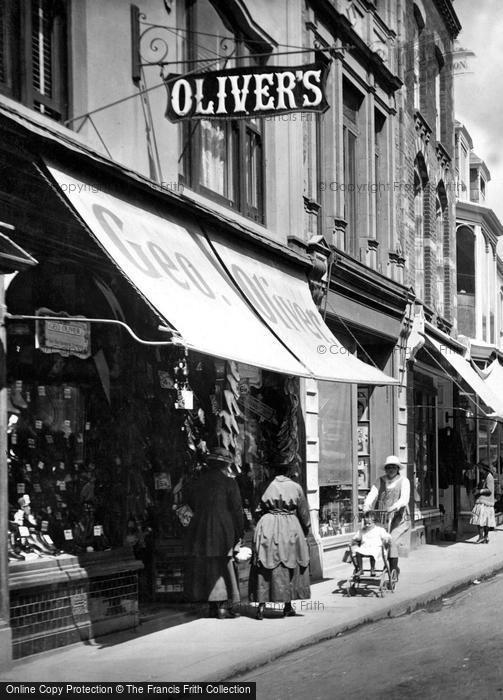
483	533
358	562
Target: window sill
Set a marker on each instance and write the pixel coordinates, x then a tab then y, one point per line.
41	120
427	515
336	541
226	212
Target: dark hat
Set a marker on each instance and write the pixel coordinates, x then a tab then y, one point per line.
487	467
219	455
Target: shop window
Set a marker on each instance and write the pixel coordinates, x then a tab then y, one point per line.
364	442
488	442
335	467
462	170
425	449
465	280
33	54
223	160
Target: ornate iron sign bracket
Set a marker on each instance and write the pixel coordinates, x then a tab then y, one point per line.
149	44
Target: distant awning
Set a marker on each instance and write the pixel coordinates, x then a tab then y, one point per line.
493	378
462	366
283	300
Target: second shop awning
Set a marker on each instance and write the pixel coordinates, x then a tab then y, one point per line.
221	300
493	378
469	375
283	300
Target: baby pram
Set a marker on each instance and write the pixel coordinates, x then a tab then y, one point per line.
380	580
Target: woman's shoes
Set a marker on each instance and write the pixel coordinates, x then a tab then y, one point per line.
260	613
485	540
289	612
227	613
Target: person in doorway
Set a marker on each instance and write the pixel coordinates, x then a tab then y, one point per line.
483	510
391	493
280	564
369	541
214	536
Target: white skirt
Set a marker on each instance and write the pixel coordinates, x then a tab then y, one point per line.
483	515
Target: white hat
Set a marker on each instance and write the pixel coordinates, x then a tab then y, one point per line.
392	461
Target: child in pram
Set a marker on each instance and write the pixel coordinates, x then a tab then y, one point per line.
371	541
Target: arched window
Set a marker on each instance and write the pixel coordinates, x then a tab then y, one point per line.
465	280
222	159
440	224
439	80
352	130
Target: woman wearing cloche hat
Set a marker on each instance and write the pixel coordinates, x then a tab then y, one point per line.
214	536
392	493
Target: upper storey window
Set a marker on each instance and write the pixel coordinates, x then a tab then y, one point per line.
33	54
222	159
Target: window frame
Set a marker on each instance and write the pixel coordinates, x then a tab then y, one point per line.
243	130
351	134
417	62
17	54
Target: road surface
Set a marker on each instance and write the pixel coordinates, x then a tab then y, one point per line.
450	651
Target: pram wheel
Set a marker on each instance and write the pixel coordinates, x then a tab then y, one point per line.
393	578
350	589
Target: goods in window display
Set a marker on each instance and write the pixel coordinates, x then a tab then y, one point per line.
288	434
108	449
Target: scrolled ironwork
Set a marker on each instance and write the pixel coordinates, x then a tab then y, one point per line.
153	51
225	46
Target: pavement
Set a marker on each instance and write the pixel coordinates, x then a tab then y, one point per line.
183	645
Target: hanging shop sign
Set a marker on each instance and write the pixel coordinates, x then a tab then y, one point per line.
247	92
62	336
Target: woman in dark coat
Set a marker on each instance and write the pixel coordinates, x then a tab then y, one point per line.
214	536
280	568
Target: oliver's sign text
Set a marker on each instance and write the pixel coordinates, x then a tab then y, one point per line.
247	92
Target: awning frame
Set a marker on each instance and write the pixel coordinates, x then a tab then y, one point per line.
84	319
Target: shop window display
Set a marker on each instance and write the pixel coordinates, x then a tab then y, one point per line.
363	446
106	440
425	448
336	473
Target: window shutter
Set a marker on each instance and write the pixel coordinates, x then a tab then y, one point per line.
5	71
45	46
